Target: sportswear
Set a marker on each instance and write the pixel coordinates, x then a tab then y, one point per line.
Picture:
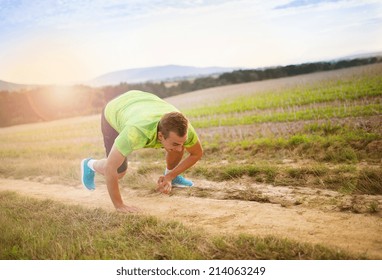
181	182
135	116
87	175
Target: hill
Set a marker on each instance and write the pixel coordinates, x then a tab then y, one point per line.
7	86
157	73
137	75
204	75
360	56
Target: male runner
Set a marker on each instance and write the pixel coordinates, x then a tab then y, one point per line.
136	120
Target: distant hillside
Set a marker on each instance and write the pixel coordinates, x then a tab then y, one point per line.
155	74
42	104
137	75
360	56
178	73
6	86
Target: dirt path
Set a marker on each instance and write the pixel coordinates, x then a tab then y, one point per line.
357	233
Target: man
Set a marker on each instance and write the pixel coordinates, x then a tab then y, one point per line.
137	120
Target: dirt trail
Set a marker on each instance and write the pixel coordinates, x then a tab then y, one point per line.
357	233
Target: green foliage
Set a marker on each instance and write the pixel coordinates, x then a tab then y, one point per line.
290	100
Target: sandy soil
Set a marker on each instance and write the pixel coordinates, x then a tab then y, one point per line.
357	233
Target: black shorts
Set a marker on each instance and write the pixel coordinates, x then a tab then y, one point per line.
109	135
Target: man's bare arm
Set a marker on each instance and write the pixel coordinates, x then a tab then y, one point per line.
114	161
195	154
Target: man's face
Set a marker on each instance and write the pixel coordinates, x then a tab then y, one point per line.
173	143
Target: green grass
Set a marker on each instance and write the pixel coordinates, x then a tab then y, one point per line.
319	143
337	90
346	180
314	113
323	143
40	230
356	97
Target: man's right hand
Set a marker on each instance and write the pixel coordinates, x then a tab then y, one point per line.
163	185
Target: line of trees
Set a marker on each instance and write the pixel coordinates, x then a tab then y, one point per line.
242	76
53	102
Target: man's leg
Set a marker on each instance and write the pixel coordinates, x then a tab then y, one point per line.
173	158
109	135
89	166
100	166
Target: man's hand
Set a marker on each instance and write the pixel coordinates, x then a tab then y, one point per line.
127	209
164	185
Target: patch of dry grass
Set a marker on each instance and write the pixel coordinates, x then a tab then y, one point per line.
47	230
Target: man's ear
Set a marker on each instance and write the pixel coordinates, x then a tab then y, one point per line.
160	136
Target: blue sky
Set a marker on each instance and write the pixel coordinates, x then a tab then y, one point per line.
72	40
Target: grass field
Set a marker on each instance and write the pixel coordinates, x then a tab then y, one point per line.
35	229
321	137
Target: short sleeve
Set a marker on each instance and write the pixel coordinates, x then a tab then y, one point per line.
192	137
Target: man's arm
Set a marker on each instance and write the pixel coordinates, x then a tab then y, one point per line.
195	154
113	162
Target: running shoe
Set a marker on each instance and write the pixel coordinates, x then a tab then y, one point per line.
87	175
181	182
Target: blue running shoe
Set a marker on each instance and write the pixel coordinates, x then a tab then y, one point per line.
181	182
87	175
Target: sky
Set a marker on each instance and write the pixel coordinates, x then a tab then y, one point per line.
63	41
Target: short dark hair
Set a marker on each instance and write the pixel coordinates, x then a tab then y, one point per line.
175	122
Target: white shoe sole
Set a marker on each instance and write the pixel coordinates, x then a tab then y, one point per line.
182	186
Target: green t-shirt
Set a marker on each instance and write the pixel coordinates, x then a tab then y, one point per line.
135	116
